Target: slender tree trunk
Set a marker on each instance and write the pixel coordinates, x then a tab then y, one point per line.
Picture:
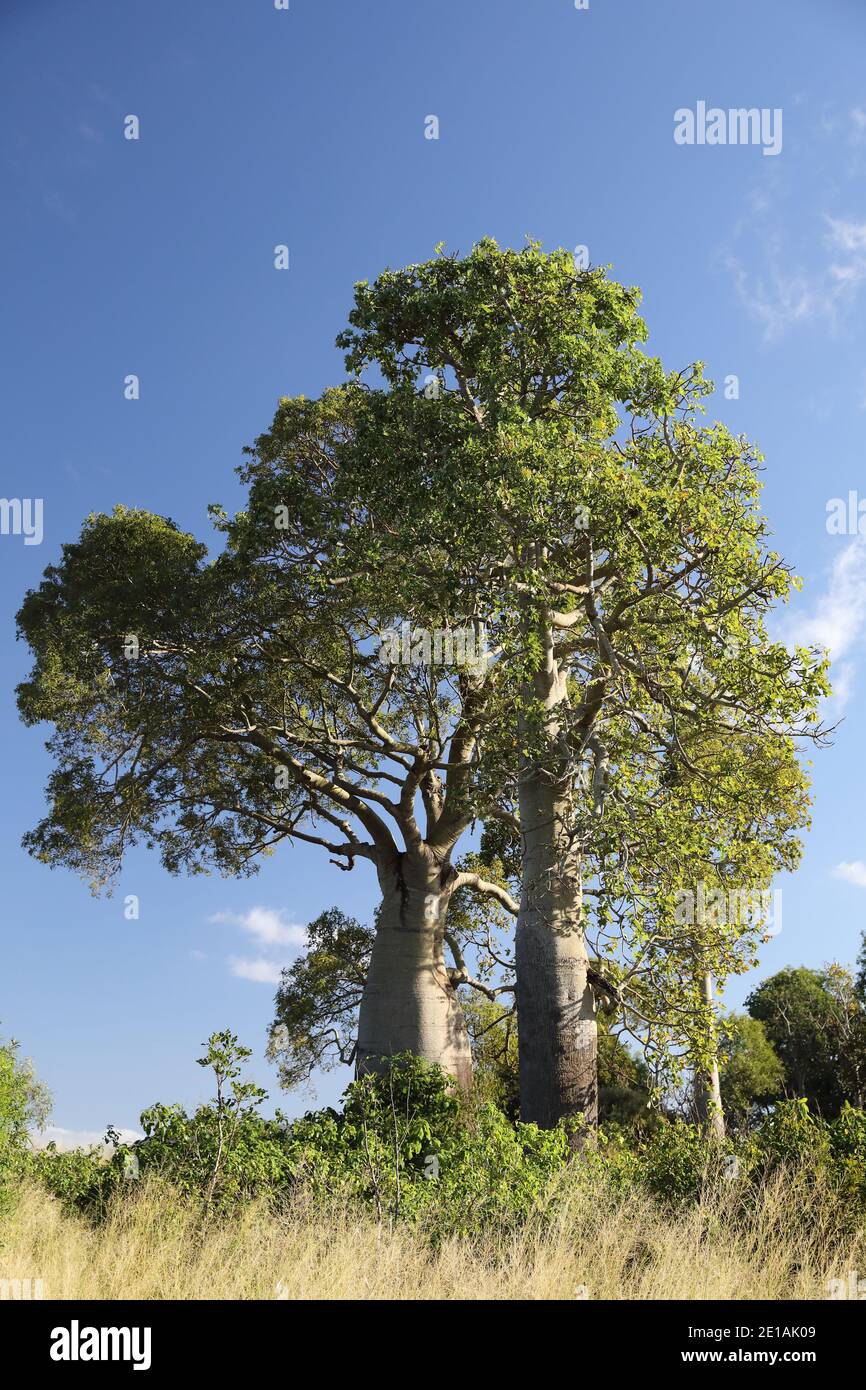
708	1088
409	1003
557	1030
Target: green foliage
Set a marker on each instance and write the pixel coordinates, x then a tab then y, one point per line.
317	1000
127	596
624	1091
796	1013
675	1163
380	502
25	1104
816	1023
224	1153
847	1139
860	977
82	1179
493	1033
405	1144
672	1162
752	1075
491	1171
653	604
792	1134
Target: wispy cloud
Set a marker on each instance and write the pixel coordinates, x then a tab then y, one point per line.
847	236
266	925
785	271
857	131
260	971
89	133
272	933
855	872
836	620
780	297
838	616
783	295
847	240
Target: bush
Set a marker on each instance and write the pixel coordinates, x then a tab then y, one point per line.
222	1155
24	1104
405	1144
82	1179
847	1142
407	1148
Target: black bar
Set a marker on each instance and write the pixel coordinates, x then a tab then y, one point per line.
209	1337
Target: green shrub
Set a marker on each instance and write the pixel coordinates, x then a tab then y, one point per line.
82	1179
847	1141
224	1153
24	1105
793	1136
407	1146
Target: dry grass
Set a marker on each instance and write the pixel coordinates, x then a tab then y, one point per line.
786	1246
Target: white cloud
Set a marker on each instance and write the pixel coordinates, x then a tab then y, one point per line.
838	617
781	294
261	971
843	684
67	1139
847	236
855	872
850	276
781	298
849	239
266	926
272	933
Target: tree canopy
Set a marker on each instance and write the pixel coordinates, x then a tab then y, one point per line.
506	460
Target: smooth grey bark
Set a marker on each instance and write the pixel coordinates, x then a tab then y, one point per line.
409	1003
557	1030
708	1088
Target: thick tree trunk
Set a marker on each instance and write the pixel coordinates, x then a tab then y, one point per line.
708	1088
409	1004
557	1030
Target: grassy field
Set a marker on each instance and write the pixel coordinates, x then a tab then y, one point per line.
786	1245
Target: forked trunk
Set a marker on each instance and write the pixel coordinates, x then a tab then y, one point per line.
409	1003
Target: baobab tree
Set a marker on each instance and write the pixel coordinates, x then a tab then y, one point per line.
216	708
615	549
518	466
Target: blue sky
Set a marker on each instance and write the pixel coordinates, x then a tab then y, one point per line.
305	127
